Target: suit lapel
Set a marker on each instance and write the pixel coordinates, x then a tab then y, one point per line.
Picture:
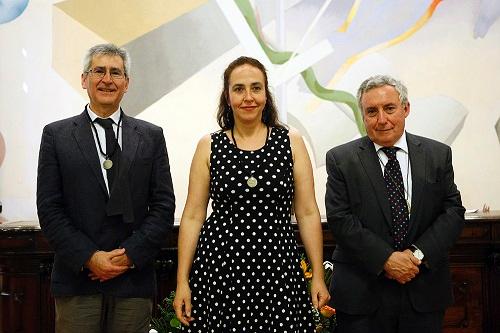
370	162
130	141
85	141
417	162
120	200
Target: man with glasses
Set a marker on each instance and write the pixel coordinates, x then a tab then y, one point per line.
105	203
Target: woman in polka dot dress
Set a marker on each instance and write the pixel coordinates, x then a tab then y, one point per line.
239	269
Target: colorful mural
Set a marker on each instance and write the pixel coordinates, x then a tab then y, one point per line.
317	53
324	41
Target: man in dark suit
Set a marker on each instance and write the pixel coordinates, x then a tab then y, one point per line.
105	203
395	211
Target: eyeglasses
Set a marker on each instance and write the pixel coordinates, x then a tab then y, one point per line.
100	72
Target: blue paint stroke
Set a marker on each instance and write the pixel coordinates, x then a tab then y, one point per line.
489	11
11	9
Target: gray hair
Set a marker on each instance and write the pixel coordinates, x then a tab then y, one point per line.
378	81
110	50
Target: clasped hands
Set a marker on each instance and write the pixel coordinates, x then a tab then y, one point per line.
402	266
105	265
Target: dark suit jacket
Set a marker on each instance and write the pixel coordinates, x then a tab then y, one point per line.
72	200
358	213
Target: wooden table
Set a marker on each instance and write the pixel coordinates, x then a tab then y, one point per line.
26	261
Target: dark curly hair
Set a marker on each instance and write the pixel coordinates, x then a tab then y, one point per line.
225	117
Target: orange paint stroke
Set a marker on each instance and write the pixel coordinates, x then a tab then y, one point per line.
350	16
405	35
314	104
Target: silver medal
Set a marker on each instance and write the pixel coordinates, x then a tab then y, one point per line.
107	164
251	182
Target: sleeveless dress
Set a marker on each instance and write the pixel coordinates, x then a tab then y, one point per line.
246	275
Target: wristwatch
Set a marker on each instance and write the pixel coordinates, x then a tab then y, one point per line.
417	253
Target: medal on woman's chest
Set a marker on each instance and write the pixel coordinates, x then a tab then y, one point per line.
252	181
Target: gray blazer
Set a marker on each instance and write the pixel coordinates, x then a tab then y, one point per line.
359	216
72	203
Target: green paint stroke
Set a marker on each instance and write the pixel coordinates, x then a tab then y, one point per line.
279	58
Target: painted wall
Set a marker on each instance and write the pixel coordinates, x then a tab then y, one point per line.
447	52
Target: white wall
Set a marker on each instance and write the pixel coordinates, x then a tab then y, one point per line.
442	58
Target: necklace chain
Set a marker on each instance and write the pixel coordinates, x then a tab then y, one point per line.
108	163
252	181
106	155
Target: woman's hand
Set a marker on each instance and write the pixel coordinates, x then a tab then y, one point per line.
182	303
319	293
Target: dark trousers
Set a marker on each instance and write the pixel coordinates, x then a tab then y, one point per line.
395	315
102	314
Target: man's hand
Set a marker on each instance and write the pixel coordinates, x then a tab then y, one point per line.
402	266
122	260
107	265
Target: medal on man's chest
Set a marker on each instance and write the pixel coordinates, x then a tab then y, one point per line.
107	164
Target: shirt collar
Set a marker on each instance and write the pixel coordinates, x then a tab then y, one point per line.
115	116
401	144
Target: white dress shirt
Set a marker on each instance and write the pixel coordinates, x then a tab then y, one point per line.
403	158
102	137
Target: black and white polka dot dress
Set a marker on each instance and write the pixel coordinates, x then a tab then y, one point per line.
246	275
